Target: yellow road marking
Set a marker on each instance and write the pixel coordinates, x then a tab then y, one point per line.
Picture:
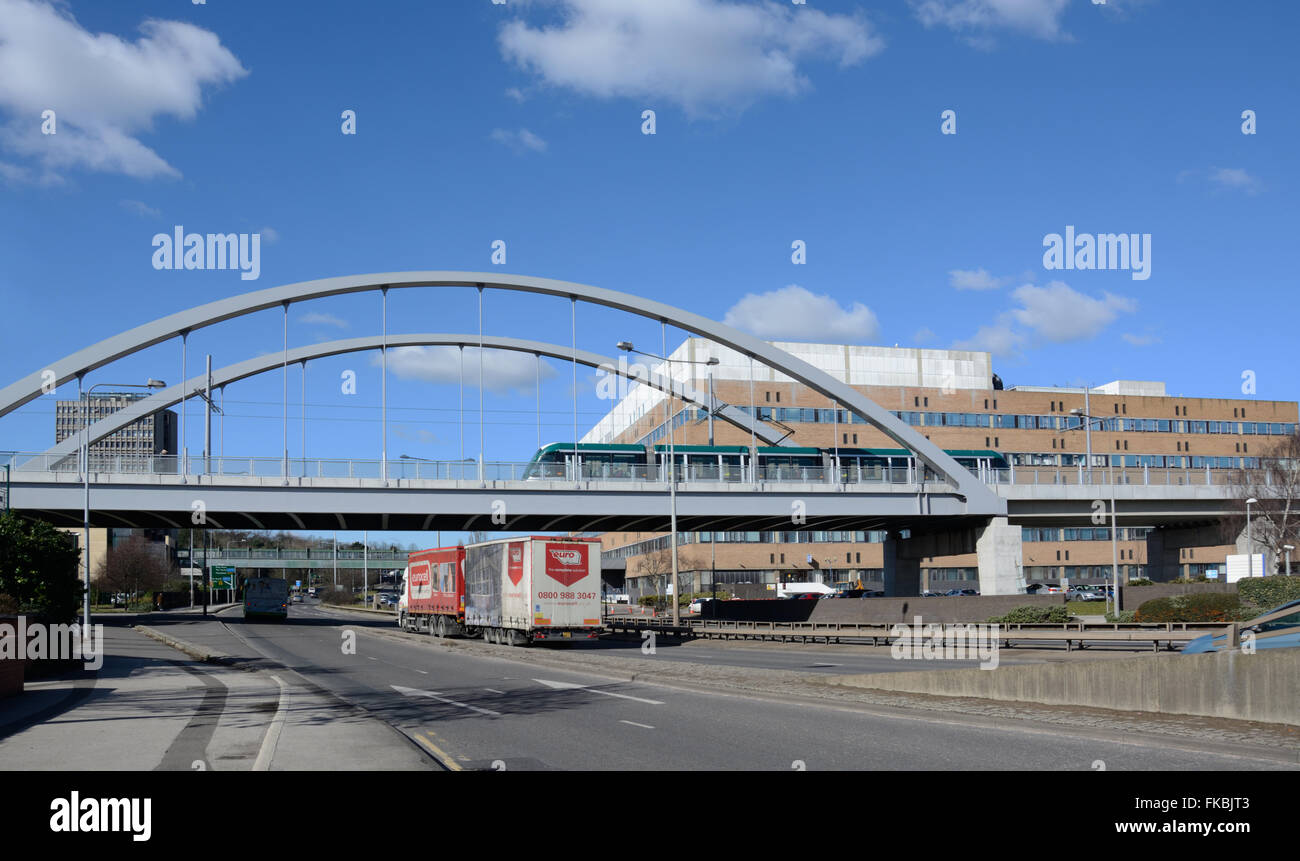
437	751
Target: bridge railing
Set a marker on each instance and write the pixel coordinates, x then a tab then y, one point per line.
1104	476
591	470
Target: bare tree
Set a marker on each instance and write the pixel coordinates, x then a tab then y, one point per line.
658	566
1275	487
133	567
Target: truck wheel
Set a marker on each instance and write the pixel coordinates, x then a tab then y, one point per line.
508	637
440	627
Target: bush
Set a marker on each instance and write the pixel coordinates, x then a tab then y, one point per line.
1142	582
1124	616
1030	614
38	569
1265	593
1198	607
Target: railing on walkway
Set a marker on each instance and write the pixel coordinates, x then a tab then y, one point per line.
845	475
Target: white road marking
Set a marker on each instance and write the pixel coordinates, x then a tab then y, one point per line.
416	692
494	690
634	723
272	737
426	672
569	686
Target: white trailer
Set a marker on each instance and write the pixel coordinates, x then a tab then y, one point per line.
533	589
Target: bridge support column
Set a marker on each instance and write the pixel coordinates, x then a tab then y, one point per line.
902	571
1000	558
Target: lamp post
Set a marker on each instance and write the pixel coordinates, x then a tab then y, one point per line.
626	346
1288	548
85	463
1250	545
1088	420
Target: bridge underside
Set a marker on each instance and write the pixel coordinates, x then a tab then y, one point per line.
554	509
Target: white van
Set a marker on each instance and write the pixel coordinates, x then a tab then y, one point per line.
800	590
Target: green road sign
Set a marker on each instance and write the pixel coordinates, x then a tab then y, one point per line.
223	576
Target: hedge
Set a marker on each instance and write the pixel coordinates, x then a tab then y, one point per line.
1198	607
1265	593
1030	614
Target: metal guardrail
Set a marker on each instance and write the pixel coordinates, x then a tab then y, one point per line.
1072	634
521	471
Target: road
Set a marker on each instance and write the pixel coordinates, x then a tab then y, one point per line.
478	706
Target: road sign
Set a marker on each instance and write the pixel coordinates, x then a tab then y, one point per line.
223	576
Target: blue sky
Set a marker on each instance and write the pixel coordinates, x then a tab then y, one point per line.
774	122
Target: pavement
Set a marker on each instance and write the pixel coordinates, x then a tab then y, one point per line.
152	707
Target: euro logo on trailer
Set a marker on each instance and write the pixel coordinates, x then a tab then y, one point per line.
515	568
566	563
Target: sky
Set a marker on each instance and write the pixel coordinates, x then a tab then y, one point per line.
474	122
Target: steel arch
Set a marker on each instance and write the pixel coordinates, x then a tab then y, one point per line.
165	398
978	495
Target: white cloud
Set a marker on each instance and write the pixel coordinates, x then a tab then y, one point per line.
319	319
1055	313
269	235
516	94
924	335
519	140
1234	179
1000	339
503	370
700	54
1140	340
1038	18
104	90
1059	314
140	208
795	313
975	279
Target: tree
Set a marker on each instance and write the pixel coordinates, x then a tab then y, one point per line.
38	569
133	567
658	566
1275	485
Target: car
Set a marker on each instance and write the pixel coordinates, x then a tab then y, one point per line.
961	592
1279	628
297	598
697	605
1085	593
929	594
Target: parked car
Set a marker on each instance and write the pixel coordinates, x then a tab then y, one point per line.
1279	628
1085	593
928	594
960	592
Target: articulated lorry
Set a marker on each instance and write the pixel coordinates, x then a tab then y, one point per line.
511	591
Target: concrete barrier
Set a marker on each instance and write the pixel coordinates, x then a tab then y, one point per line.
1263	687
877	611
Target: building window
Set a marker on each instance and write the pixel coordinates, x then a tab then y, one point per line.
855	439
778	397
782	558
768	397
916	402
927	402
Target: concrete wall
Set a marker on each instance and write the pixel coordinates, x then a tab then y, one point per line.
973	608
1264	686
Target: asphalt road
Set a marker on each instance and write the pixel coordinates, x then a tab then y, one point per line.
482	707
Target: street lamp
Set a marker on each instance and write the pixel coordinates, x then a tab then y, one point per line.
85	462
627	347
1250	545
1288	548
1088	420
